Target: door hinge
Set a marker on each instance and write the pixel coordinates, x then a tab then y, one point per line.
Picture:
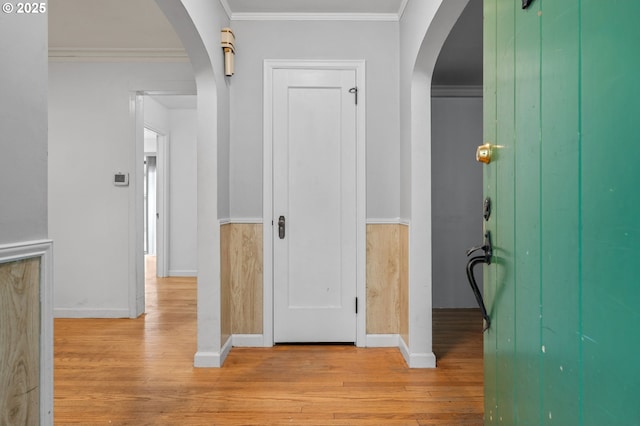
354	90
356	305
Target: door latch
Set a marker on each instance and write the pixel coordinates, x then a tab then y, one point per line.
486	209
281	227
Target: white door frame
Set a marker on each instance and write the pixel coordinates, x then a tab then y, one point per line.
162	202
137	296
136	197
267	205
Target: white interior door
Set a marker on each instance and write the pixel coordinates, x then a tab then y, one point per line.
314	195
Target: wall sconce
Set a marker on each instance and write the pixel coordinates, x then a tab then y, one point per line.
227	40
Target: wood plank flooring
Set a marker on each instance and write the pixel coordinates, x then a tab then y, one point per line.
140	372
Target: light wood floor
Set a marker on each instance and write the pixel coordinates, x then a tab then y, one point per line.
139	372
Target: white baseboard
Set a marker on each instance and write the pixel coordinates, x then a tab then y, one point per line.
417	360
204	359
248	340
90	313
226	348
383	340
183	273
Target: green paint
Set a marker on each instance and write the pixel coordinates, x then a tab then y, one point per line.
489	281
562	99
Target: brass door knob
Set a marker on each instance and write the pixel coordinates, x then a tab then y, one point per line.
483	153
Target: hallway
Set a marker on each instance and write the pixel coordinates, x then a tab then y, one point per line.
139	372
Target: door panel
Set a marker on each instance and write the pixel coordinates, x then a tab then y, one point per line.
611	208
314	191
559	213
489	129
561	102
504	234
527	215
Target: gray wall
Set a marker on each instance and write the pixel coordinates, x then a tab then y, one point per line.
23	127
183	219
375	42
91	137
180	127
457	197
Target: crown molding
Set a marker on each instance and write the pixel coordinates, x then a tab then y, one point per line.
403	6
472	91
116	55
226	7
388	17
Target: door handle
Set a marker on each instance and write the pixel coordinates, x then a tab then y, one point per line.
484	153
487	247
281	227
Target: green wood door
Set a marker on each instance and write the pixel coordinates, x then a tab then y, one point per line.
562	105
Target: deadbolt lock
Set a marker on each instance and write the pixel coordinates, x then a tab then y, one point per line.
484	153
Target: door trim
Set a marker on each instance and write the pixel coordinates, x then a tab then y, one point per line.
267	205
136	208
162	202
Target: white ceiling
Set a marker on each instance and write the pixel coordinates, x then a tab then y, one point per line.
139	24
109	24
135	25
315	6
176	101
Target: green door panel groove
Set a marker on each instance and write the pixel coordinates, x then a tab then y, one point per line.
561	103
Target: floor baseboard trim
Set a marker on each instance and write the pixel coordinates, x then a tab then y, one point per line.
203	359
183	273
383	340
90	313
226	348
417	360
208	359
248	340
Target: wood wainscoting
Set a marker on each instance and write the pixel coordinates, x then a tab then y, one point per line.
242	279
241	273
20	342
387	279
26	334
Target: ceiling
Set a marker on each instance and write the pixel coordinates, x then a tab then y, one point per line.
176	101
140	25
460	60
315	6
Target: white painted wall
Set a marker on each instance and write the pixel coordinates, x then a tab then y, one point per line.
375	42
413	28
23	174
156	116
198	24
180	126
183	203
91	136
456	189
23	128
424	27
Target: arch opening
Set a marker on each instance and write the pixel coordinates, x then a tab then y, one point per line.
420	345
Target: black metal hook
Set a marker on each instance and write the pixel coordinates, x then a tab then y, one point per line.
526	3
